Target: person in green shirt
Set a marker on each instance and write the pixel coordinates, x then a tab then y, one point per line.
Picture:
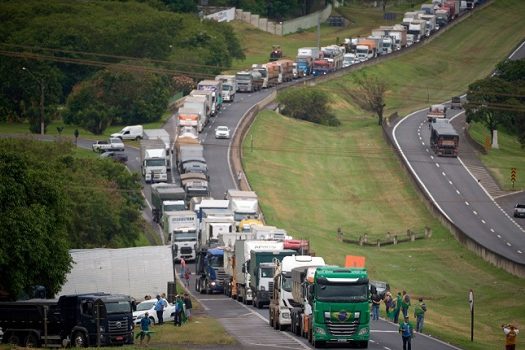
399	299
419	314
405	304
407	332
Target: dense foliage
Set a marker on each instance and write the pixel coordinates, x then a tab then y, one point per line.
499	100
308	104
50	202
68	45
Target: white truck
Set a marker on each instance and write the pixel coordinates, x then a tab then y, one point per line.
215	86
210	107
199	104
431	24
243	204
161	134
417	28
243	249
181	229
437	111
153	161
214	223
229	87
281	301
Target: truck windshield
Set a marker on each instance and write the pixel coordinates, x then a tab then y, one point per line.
156	162
342	292
266	272
245	77
287	283
190	236
118	307
239	216
216	261
174	207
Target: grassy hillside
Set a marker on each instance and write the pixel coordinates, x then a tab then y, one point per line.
314	179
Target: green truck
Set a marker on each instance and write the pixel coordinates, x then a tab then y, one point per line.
338	298
260	268
166	197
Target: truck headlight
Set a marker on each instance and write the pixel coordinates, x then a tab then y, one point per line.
101	329
212	284
285	315
320	330
357	315
363	331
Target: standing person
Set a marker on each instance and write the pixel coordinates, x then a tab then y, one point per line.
376	301
239	178
179	308
397	307
405	304
188	305
187	275
407	332
182	268
419	314
389	303
145	322
159	308
511	332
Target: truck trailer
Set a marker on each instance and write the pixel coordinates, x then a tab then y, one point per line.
166	197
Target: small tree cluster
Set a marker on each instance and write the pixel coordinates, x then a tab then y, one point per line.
307	104
182	83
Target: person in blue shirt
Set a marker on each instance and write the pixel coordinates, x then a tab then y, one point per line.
145	322
407	332
159	308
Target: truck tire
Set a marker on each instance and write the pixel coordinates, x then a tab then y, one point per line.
197	285
31	341
79	340
14	340
318	344
363	344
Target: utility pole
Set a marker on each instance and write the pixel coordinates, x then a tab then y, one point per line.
41	84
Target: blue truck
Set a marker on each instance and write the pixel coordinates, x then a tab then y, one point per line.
209	269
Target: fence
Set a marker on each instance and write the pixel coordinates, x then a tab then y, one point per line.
390	239
286	27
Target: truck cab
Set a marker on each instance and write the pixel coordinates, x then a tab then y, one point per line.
339	300
210	270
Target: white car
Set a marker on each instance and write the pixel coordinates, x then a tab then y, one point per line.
222	132
149	307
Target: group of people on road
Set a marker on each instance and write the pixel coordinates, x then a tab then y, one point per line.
400	305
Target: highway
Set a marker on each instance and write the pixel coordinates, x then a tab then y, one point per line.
456	193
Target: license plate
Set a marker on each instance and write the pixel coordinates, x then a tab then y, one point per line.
341	340
119	337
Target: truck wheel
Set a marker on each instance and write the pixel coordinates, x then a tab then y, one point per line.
79	340
31	341
197	285
14	340
318	344
363	344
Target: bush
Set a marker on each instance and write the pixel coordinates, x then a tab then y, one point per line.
307	104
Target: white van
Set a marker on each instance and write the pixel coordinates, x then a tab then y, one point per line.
134	132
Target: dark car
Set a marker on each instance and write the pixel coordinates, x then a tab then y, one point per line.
116	156
519	211
380	287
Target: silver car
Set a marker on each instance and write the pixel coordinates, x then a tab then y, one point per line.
222	132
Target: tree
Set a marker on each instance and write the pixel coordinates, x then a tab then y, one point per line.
117	96
307	104
369	94
33	236
487	102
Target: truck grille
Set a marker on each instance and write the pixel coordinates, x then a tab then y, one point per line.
270	287
185	250
119	326
342	329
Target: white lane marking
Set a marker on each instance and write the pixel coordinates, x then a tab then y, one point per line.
475	212
437	164
457	191
450	182
467	203
483	221
443	173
